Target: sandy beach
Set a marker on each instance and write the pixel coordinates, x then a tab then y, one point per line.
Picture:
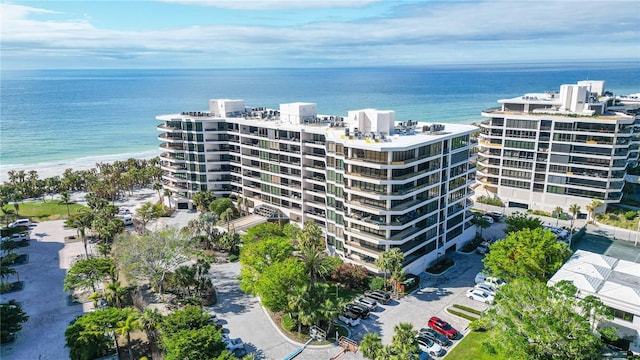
49	169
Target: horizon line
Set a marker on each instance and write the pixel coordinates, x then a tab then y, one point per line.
435	65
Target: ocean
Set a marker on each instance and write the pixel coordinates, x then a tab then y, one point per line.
54	117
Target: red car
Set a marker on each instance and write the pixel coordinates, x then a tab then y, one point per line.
442	327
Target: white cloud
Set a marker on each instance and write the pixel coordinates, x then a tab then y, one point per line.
419	34
275	4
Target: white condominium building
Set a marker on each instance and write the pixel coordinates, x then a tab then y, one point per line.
544	150
369	182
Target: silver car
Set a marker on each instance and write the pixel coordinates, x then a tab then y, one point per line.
368	302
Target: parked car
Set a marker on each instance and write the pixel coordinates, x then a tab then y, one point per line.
488	218
368	302
483	248
480	295
442	327
20	222
123	211
495	215
429	346
435	336
378	295
486	287
349	318
232	344
17	237
358	309
484	278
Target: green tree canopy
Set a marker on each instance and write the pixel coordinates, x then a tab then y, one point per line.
87	273
11	319
202	199
256	257
278	280
148	212
527	253
190	318
262	231
535	321
519	221
93	334
219	206
202	343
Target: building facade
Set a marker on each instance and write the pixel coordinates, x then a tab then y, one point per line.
544	150
615	282
369	182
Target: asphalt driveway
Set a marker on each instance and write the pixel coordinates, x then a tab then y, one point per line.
243	316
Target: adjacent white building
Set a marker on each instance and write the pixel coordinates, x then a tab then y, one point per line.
615	282
544	150
370	182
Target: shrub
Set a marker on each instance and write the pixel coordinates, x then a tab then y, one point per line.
350	275
489	200
233	258
376	283
287	322
440	266
488	348
630	215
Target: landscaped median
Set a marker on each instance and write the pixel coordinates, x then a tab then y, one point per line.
464	312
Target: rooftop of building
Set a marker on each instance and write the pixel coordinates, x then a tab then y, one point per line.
616	282
337	128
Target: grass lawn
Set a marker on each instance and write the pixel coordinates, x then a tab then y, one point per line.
41	211
470	347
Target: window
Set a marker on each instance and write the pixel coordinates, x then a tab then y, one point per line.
519	144
459	142
522	124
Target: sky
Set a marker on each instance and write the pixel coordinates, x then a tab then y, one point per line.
313	33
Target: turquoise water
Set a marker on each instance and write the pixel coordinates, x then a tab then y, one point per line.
54	116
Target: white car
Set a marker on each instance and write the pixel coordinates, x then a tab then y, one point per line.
480	295
17	237
484	278
429	347
368	302
486	287
349	318
488	218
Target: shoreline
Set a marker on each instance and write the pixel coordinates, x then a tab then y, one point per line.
53	168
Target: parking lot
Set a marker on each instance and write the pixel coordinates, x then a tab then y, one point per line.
243	316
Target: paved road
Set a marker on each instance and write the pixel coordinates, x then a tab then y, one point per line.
245	318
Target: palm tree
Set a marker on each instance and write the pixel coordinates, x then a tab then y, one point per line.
480	222
371	345
157	187
168	194
558	211
226	216
5	271
404	340
591	208
82	222
574	210
391	261
328	311
298	303
115	293
65	199
126	326
150	321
